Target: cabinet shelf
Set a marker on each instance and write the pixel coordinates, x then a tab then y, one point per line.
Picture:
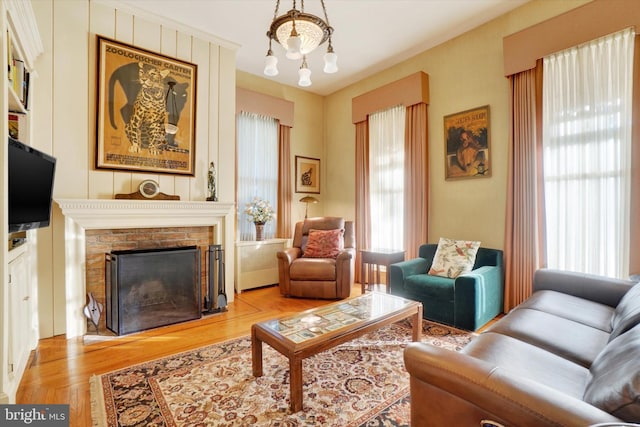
14	102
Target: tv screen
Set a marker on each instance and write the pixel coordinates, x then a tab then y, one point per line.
31	174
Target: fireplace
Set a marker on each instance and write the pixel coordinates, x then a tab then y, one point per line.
107	214
150	288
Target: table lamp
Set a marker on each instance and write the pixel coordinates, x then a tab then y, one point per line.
307	200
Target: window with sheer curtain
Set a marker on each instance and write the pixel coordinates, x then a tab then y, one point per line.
386	177
257	170
587	100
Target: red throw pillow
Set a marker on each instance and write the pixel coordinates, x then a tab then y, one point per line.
324	243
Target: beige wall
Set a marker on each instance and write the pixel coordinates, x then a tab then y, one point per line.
64	121
464	73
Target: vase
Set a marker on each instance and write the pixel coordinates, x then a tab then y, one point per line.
259	231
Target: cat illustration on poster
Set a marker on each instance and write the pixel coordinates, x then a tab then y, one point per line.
144	87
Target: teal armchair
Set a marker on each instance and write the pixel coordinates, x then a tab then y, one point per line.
466	302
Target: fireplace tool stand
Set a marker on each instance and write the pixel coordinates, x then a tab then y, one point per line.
215	301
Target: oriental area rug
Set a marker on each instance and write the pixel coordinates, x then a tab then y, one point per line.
359	383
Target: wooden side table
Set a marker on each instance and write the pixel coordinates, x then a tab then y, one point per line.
372	260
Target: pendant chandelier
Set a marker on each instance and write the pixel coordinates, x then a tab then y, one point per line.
300	33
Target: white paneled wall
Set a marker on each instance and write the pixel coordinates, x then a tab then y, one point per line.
64	120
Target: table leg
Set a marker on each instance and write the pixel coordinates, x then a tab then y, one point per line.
417	324
363	279
295	378
256	353
386	277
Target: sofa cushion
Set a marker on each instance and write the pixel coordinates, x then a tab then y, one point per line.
435	287
454	257
570	307
324	243
529	361
313	269
627	313
615	383
571	340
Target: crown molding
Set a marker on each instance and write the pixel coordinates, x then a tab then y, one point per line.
153	17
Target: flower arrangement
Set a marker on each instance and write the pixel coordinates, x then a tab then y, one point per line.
259	211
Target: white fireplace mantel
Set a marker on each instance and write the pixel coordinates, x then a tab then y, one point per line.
86	214
117	213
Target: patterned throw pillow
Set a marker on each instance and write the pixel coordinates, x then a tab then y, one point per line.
454	257
324	243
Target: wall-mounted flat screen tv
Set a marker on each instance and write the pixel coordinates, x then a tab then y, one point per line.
31	176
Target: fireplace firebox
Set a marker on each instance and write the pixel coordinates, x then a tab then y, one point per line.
152	287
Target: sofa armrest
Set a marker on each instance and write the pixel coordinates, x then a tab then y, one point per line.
346	255
478	297
285	258
345	272
600	289
287	255
451	388
398	272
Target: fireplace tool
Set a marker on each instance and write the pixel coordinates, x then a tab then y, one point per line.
216	299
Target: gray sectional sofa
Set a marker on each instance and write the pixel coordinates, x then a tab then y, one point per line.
567	356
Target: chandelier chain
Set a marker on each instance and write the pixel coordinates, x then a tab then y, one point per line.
275	12
324	9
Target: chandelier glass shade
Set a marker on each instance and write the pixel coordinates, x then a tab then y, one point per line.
312	32
300	33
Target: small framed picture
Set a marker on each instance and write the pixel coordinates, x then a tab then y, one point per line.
466	136
307	175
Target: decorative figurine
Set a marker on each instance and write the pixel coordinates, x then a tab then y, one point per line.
211	184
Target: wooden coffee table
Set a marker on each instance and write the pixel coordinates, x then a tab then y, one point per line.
313	331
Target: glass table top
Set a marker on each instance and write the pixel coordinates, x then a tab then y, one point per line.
313	323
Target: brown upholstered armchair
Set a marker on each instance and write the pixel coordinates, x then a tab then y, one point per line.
315	277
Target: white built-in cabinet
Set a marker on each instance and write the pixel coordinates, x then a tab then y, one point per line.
20	322
18	334
257	263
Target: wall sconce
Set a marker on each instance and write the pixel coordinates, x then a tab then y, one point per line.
307	200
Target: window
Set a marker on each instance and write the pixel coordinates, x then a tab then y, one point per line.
386	177
257	171
587	98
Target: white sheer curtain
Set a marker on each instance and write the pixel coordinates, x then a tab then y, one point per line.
257	171
386	177
587	100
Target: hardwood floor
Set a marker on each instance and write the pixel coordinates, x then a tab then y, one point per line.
59	369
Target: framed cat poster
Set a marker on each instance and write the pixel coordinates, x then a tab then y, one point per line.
307	175
145	110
